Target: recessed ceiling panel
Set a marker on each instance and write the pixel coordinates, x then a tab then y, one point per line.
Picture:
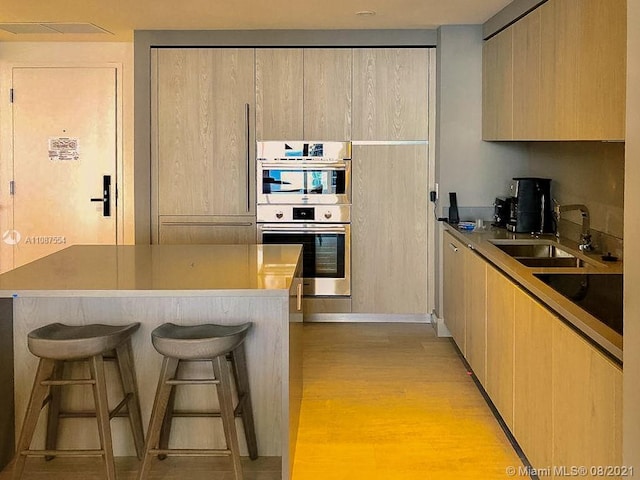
75	28
25	28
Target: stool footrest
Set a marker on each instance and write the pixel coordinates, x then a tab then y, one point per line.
193	381
69	381
62	453
191	452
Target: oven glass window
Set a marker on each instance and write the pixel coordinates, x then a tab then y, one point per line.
322	253
277	180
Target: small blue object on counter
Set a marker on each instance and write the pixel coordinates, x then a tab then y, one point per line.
467	225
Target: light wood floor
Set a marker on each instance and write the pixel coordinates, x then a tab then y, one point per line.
381	402
393	401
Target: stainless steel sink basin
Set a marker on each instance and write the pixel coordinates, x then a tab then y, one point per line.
541	254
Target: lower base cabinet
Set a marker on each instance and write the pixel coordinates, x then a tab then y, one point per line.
587	404
532	385
500	325
560	396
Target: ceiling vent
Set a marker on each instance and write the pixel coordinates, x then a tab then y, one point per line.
51	27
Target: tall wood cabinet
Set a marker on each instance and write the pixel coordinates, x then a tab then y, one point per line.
390	159
559	73
202	129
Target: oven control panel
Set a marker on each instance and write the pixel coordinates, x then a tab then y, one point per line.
306	214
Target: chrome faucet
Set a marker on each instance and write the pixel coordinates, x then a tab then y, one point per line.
585	236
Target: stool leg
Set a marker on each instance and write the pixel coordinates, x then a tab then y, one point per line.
53	416
167	422
246	410
222	373
96	364
124	354
38	395
163	392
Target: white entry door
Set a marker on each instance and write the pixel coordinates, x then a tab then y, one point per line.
64	160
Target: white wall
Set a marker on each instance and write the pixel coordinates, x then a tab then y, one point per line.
477	171
631	387
61	53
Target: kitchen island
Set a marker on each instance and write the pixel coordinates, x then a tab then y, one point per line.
154	284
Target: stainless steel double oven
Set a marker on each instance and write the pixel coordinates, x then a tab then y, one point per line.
304	197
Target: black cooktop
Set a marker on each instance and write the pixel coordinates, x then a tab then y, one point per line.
598	294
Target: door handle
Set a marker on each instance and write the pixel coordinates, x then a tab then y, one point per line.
106	196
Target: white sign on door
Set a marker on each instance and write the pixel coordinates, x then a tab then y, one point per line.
63	148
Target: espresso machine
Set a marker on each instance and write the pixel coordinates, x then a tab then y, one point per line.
531	209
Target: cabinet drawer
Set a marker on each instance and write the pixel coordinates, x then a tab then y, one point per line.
207	230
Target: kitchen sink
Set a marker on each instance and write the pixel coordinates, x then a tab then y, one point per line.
541	254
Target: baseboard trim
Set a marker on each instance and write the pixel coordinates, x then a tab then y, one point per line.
368	318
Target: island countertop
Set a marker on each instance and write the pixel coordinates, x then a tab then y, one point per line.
156	270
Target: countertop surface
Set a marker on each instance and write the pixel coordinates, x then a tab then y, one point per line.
156	270
481	242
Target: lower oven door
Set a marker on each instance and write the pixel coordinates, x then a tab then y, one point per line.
326	254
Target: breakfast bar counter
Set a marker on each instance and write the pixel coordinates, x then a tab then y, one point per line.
183	284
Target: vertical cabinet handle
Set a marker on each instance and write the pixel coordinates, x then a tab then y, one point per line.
248	126
299	296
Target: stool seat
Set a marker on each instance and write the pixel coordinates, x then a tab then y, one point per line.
65	342
193	342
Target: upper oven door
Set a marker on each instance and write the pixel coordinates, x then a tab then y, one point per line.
300	182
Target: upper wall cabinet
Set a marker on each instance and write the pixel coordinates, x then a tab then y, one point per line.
390	93
279	86
327	93
558	74
303	93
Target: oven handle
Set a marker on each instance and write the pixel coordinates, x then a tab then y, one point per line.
298	229
304	165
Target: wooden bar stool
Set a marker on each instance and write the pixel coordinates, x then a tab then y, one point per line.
217	344
57	344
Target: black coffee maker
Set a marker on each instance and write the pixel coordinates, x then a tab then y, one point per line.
531	206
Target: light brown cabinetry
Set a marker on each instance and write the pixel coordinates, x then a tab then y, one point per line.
497	87
203	131
587	403
464	296
475	312
561	70
327	93
389	229
390	93
279	89
533	348
217	230
203	144
558	394
303	94
453	293
500	326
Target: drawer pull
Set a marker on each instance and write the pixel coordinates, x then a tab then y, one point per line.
453	247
